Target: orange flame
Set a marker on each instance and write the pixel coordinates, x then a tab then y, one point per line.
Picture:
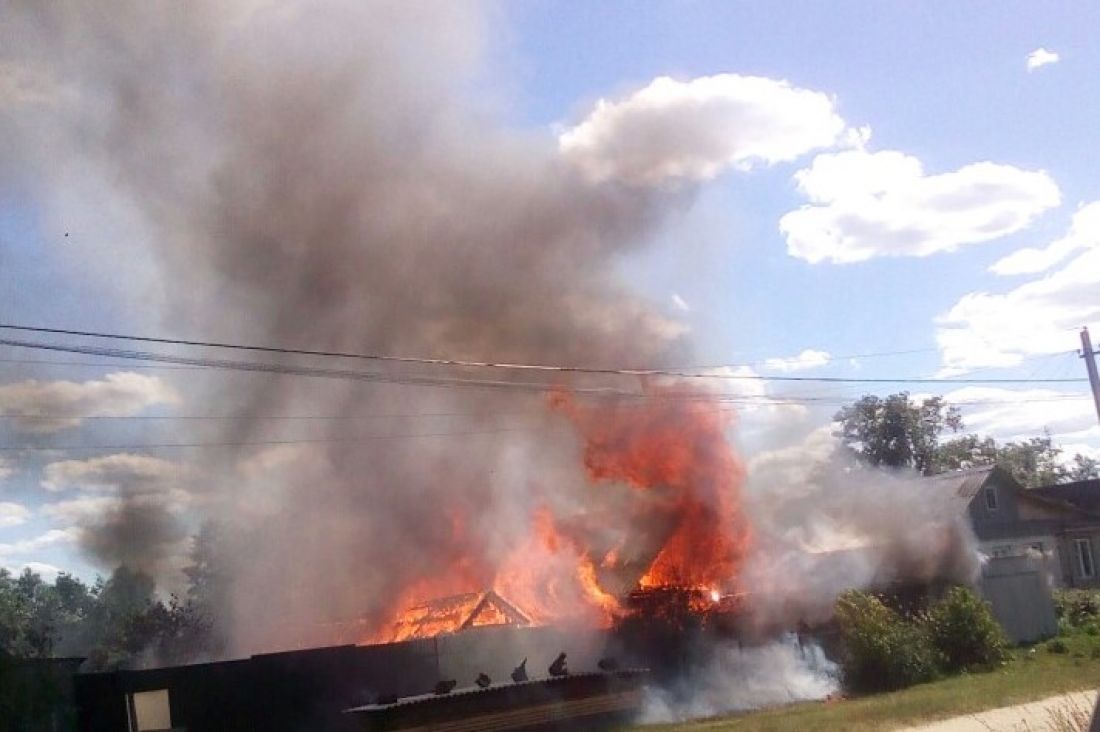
674	443
672	452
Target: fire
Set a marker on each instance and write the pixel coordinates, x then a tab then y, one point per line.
673	444
679	510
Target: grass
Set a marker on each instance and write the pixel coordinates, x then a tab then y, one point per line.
1026	677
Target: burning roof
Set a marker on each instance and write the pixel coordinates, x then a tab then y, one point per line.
455	613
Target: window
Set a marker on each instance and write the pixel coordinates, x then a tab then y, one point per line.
149	710
1083	550
991	498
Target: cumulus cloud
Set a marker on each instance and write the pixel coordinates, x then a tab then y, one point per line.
871	204
51	406
1039	317
52	537
121	472
1019	414
808	359
1041	57
13	514
693	130
1084	233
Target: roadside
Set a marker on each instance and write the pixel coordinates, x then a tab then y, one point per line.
1031	675
1053	714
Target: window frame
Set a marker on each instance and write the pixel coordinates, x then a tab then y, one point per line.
991	498
1078	555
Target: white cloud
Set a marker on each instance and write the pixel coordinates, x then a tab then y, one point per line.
38	543
13	514
123	473
50	406
7	468
808	359
78	511
680	303
1019	414
1041	57
757	409
1084	233
693	130
871	204
1039	317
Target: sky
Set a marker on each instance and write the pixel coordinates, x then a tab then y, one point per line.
866	190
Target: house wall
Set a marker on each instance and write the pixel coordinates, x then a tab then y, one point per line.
1007	512
1019	595
1072	573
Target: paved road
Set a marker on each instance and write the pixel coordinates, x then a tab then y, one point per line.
1031	717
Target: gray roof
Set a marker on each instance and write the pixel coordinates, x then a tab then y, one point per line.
1084	494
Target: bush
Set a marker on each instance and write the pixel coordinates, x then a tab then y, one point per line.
964	632
1077	607
882	650
1057	646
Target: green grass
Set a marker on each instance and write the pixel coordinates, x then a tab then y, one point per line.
1026	677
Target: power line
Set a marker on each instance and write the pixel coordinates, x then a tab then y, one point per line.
690	371
377	376
761	401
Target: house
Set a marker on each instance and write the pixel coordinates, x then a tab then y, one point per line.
1061	524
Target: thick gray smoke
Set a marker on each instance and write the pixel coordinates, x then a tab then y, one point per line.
328	175
317	175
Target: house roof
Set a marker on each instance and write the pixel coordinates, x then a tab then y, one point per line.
963	485
455	613
1083	494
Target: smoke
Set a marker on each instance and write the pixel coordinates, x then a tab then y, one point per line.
738	679
825	523
337	176
324	176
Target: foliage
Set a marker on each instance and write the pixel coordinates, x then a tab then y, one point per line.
882	650
118	621
1077	608
964	633
1083	468
1057	646
897	431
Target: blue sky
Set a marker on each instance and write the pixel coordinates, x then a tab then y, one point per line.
939	86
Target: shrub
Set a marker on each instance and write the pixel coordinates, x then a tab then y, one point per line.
882	651
964	632
1057	646
1077	607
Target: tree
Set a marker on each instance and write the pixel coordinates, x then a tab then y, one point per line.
897	431
1084	468
1034	462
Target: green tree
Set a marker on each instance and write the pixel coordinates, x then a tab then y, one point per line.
1083	468
1034	462
897	431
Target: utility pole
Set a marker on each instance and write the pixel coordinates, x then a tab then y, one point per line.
1090	363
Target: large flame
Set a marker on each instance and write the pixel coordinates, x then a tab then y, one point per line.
669	457
674	444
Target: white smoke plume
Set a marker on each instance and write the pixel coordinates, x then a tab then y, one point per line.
739	679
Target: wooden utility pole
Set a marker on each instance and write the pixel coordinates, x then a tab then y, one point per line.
1090	363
